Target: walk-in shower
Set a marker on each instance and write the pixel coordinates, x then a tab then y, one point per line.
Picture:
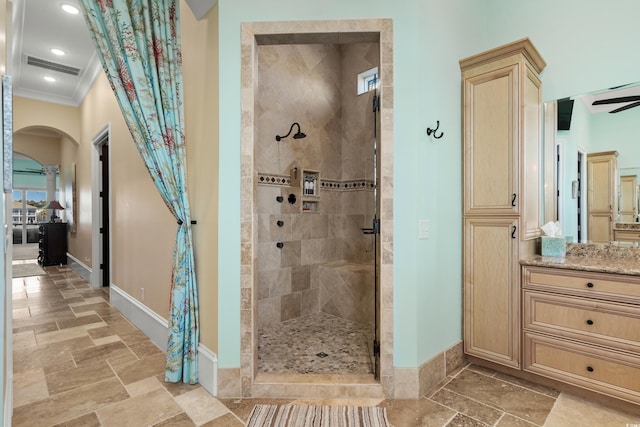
317	209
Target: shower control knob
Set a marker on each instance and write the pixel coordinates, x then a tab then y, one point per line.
280	245
279	199
280	223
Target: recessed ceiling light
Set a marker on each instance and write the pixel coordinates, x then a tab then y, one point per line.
58	52
49	79
70	8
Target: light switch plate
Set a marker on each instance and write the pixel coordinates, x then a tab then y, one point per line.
423	229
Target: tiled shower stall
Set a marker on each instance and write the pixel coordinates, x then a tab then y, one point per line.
313	256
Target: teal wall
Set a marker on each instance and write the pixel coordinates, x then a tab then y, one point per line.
621	132
430	37
27	180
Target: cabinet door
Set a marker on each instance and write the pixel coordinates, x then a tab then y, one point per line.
602	185
628	198
491	290
491	141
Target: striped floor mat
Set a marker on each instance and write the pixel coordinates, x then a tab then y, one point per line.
317	416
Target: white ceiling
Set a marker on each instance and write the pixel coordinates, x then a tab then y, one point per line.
38	26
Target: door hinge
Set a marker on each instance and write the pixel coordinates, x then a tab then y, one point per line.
376	348
101	266
101	230
375	229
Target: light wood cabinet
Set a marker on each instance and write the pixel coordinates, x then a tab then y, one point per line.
602	195
583	329
628	198
491	294
501	193
626	235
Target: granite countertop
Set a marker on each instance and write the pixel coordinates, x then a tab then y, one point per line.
612	257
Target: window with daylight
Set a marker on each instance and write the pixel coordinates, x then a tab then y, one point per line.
368	81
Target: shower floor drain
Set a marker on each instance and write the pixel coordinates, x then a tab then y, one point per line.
322	354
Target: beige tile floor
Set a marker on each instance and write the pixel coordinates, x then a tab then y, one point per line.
79	362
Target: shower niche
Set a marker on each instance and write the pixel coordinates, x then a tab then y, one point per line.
310	190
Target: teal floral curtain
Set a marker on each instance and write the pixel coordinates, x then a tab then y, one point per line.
138	42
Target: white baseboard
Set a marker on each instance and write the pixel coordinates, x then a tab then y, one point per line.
79	267
208	370
157	329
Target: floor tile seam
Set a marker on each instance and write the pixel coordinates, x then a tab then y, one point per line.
498	408
465	414
61	395
441	385
473	400
522	419
117	376
229	412
453	417
524	387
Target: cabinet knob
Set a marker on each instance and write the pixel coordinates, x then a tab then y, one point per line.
279	199
279	223
589	322
280	245
590	368
590	285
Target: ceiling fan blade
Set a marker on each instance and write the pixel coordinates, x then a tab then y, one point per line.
633	98
626	107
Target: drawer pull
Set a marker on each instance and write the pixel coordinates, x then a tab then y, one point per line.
589	322
589	368
590	285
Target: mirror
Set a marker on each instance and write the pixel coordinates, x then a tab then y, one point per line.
576	128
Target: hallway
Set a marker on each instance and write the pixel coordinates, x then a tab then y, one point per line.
79	362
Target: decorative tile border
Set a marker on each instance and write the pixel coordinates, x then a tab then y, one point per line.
325	184
274	179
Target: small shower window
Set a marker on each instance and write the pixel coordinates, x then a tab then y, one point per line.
368	81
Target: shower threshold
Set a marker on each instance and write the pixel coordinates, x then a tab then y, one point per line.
314	386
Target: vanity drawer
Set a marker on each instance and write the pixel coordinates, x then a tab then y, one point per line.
596	322
607	286
626	235
608	372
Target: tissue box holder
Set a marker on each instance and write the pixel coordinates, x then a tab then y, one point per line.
553	246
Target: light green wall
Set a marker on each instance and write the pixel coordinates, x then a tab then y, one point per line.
26	180
429	40
588	44
621	132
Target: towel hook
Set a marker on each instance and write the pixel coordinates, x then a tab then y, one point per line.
433	131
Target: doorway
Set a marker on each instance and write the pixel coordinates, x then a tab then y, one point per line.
101	235
276	165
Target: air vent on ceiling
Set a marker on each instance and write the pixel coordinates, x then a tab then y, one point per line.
61	68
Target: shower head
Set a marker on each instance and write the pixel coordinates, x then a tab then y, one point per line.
297	135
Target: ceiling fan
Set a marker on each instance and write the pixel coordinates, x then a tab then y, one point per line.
629	101
29	171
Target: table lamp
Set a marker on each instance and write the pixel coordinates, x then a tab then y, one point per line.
55	205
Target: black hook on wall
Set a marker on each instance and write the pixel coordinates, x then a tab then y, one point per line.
433	131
